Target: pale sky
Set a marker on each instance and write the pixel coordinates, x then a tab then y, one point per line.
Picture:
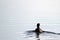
44	11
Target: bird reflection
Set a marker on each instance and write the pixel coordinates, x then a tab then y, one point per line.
37	35
32	34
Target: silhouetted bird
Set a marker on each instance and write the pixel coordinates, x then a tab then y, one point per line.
38	29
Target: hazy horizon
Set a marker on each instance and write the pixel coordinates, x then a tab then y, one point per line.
20	15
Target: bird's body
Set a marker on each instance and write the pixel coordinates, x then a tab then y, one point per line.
38	29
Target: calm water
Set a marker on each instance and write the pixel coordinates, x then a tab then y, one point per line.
18	32
19	16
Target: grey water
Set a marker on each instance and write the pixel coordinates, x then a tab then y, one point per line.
19	16
19	32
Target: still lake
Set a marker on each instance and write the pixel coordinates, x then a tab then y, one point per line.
19	16
17	31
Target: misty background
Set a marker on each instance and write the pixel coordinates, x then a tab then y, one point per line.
21	15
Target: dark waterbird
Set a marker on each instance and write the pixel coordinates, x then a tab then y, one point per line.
38	30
